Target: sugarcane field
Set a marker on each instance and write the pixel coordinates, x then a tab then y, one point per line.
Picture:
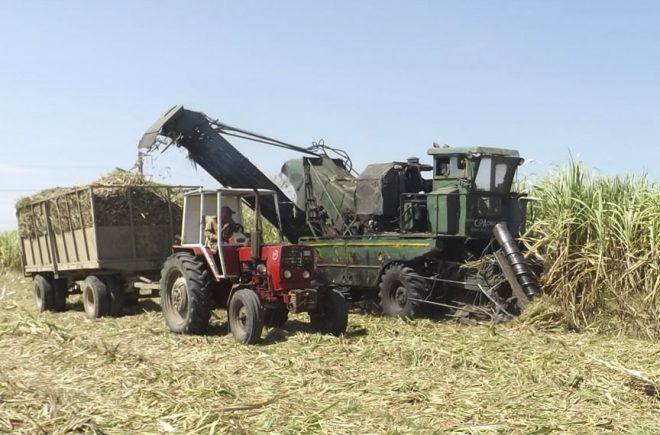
397	218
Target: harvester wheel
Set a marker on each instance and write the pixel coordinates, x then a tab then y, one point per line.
246	316
116	294
184	289
95	297
275	317
332	316
60	293
44	294
398	286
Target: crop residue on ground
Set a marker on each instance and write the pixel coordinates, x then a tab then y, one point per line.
62	372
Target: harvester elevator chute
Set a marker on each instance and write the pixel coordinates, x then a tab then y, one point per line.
201	137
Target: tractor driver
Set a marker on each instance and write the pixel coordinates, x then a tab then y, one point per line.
227	228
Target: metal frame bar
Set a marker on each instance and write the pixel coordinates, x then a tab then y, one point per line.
50	238
82	226
73	234
59	219
130	221
36	233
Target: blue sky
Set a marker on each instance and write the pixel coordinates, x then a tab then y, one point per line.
80	81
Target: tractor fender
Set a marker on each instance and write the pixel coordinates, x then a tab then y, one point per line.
201	252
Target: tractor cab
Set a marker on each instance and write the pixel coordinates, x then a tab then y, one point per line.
214	225
472	191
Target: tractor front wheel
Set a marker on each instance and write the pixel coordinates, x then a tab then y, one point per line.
246	316
184	292
332	314
399	286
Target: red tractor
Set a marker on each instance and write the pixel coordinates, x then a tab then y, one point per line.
220	264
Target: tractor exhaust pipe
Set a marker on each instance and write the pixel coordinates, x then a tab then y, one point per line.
513	264
255	239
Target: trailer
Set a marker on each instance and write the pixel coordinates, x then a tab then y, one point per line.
106	242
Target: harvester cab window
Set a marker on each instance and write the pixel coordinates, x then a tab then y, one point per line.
483	179
450	167
442	166
489	206
501	169
495	174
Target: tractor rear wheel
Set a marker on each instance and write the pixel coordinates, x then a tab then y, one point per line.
44	294
399	284
184	292
275	317
95	297
332	314
246	319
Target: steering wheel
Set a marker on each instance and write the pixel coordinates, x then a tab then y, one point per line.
230	229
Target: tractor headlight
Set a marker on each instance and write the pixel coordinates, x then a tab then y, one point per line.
261	268
306	274
287	274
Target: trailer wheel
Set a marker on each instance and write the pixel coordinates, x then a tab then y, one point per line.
95	298
275	317
184	288
398	286
115	294
246	319
44	294
60	293
332	315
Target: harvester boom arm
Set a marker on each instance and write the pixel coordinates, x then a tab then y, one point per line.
201	137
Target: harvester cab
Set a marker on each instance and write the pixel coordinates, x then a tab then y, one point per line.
472	191
222	258
468	193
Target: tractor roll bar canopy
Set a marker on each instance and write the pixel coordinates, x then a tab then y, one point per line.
201	203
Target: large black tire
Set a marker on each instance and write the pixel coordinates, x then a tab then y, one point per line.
116	294
275	317
399	284
332	314
44	294
60	293
246	316
184	291
95	297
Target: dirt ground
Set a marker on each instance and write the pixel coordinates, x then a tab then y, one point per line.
60	372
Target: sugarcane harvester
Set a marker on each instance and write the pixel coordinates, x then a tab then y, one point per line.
407	234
